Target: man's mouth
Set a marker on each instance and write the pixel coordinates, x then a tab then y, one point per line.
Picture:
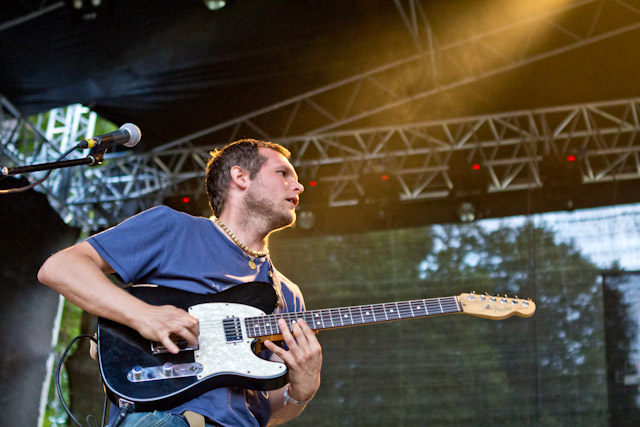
293	200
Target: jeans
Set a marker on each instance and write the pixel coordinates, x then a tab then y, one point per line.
153	419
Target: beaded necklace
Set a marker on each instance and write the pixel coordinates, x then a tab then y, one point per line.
252	254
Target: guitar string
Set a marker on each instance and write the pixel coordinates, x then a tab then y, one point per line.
448	304
264	325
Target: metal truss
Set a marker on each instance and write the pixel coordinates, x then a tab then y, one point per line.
438	67
101	196
416	157
34	10
43	138
510	149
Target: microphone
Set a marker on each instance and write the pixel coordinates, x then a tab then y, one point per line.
128	135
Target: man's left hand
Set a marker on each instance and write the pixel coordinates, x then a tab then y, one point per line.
304	358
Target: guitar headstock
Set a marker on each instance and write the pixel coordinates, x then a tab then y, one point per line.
496	307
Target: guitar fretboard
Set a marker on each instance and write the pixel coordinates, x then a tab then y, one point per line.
332	318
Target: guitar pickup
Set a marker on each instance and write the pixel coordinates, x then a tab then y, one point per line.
164	372
183	345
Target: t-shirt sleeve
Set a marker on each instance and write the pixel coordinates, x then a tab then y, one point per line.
135	247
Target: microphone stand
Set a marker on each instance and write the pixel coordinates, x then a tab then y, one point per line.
95	158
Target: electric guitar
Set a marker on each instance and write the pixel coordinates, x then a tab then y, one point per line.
233	323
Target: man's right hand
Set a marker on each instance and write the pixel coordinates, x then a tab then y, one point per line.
79	272
159	323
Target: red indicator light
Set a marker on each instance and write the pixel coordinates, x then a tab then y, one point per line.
476	167
313	183
385	177
571	158
186	199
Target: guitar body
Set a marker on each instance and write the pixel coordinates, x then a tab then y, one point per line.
152	379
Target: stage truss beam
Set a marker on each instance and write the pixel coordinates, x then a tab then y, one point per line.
511	148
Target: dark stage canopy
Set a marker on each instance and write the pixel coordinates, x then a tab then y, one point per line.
174	67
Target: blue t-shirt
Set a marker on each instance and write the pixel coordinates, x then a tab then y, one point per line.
169	248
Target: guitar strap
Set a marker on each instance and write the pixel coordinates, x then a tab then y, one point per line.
277	284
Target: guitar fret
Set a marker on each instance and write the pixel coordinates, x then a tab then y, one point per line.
433	305
335	318
343	317
326	319
368	314
404	310
413	313
347	317
391	311
356	316
378	311
318	320
450	305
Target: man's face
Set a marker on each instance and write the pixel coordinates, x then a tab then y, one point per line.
273	193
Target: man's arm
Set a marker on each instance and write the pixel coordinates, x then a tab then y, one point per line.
79	274
304	360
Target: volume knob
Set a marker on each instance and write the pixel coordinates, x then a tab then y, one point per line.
137	372
167	369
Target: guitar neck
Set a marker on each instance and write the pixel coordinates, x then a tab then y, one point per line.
333	318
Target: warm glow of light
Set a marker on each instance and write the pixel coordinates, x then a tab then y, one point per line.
571	158
476	167
510	30
385	177
186	199
313	183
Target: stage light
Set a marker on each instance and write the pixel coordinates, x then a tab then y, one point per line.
466	212
476	167
385	177
215	4
571	158
313	183
186	199
88	10
305	219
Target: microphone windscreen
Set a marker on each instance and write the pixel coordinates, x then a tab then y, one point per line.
134	132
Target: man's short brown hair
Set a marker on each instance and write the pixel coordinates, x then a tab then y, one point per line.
243	153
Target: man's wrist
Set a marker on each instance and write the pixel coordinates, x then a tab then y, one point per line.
289	399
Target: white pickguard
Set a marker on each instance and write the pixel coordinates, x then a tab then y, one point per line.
217	356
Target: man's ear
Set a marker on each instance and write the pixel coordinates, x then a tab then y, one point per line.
239	177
